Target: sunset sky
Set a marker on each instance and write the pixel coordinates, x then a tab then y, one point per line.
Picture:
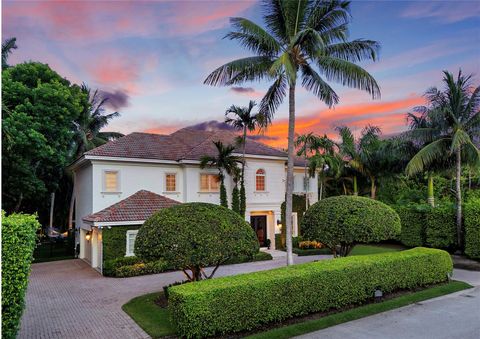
151	58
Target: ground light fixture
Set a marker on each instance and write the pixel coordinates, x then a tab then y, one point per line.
378	294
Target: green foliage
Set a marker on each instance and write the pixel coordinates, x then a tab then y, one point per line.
441	227
343	221
195	235
472	228
259	256
115	241
38	107
142	268
223	195
243	199
298	205
18	241
236	200
247	301
413	219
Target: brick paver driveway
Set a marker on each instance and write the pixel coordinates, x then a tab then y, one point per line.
67	299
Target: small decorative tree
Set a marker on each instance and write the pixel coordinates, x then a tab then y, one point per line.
343	221
193	236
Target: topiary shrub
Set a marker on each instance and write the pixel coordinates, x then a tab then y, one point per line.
343	221
132	266
413	220
298	206
193	236
247	301
440	229
472	228
18	242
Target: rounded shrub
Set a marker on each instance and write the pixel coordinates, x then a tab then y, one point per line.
195	235
343	221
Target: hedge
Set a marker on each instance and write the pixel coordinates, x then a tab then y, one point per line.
132	267
247	301
413	224
115	241
298	206
472	228
18	242
441	227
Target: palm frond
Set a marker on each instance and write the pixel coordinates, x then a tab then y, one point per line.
427	155
312	82
272	99
238	71
354	51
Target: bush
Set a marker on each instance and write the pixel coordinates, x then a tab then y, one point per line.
413	220
441	227
260	256
298	206
18	242
114	240
343	221
472	228
247	301
132	266
310	244
195	235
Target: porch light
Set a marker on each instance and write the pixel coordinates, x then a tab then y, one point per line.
279	223
88	236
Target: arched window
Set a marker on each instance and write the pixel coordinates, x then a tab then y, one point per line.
260	180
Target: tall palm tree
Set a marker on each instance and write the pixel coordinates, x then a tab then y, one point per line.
305	42
306	144
225	162
456	112
87	131
242	119
328	164
8	45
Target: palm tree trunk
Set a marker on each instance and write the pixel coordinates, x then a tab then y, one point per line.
458	194
431	198
70	211
244	149
306	182
373	188
289	188
355	185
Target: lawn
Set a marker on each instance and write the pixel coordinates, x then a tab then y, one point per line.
155	320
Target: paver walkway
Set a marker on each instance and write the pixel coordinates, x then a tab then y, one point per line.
67	299
455	315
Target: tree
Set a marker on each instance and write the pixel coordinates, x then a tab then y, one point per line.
302	40
8	46
88	135
38	109
242	119
225	162
305	144
456	112
343	221
194	236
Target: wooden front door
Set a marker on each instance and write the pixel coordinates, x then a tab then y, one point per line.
259	225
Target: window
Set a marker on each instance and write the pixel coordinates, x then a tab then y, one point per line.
111	181
209	182
131	236
260	180
170	182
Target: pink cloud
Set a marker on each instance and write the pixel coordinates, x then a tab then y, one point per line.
444	11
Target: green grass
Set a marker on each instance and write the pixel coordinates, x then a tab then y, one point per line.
153	319
156	322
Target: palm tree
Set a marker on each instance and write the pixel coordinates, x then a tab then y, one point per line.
327	163
8	45
242	119
87	134
225	162
456	112
305	144
303	41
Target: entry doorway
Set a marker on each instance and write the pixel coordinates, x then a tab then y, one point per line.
259	225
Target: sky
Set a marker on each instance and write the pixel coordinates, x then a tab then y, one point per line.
150	58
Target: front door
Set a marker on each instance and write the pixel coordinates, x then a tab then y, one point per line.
259	225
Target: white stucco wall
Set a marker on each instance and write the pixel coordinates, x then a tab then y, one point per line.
83	178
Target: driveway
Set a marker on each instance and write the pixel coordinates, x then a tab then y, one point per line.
455	315
67	299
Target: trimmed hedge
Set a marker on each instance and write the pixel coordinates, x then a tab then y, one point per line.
18	242
132	267
115	241
413	224
247	301
441	227
472	228
298	206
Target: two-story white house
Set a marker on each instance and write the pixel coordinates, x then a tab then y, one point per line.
120	184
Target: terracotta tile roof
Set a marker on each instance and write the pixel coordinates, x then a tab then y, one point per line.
184	144
139	206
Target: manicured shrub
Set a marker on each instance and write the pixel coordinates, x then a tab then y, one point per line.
298	206
114	241
260	256
132	266
195	235
413	220
236	199
472	228
440	229
247	301
307	244
18	241
343	221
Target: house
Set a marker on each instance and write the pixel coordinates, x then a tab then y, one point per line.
120	184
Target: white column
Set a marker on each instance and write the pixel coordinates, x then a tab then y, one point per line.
294	224
83	233
94	242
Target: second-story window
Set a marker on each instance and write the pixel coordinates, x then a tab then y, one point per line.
209	182
260	180
111	181
170	182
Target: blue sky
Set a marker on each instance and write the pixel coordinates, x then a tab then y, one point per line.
152	57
